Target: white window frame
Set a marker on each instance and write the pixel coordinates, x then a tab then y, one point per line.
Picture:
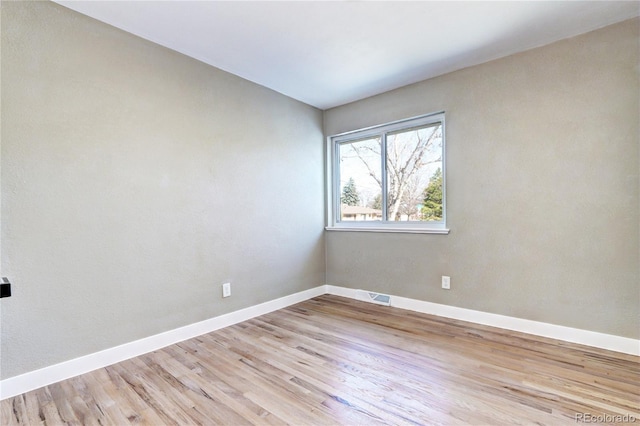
333	182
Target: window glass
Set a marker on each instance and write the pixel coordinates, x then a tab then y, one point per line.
414	174
360	180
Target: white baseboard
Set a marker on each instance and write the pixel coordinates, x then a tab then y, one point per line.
567	334
36	379
45	376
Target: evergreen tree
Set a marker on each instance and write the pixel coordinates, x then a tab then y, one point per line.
432	205
350	195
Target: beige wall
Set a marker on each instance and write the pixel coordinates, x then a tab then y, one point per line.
135	181
542	188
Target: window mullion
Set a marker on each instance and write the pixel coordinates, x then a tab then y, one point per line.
336	182
383	174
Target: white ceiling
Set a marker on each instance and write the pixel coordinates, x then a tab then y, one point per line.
331	53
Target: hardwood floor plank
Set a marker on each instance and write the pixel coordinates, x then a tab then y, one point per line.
336	361
229	364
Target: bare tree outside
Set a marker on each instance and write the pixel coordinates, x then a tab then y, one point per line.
413	156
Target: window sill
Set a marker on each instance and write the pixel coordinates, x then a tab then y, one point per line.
442	231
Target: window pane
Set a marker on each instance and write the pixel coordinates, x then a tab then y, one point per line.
414	174
360	180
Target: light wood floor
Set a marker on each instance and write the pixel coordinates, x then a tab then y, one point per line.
331	360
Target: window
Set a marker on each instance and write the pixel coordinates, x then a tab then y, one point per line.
389	178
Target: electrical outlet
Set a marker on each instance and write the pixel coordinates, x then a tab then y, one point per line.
226	289
446	282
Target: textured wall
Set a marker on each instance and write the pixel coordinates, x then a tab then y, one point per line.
135	181
542	187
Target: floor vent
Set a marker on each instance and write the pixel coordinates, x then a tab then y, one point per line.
368	296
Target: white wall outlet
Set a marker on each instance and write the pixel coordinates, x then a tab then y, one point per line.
226	289
446	282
